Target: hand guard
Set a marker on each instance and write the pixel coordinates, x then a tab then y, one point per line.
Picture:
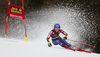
65	38
49	44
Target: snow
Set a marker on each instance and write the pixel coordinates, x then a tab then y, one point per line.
20	48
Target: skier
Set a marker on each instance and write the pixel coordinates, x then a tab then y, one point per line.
56	39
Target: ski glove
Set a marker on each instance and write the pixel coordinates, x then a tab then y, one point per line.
49	44
65	38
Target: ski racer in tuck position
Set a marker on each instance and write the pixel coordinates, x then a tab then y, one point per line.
56	39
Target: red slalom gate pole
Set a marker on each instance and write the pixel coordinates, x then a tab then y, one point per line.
8	1
6	26
25	30
24	21
22	3
6	21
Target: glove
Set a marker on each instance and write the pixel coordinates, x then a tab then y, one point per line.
65	38
49	44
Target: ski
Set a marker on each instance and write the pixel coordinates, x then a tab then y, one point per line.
67	47
79	49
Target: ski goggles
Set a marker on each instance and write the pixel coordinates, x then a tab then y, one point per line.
57	28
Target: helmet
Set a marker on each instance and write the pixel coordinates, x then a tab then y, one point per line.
56	25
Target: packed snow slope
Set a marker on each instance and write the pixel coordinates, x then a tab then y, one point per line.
18	48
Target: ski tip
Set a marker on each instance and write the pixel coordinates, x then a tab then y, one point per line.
79	49
87	51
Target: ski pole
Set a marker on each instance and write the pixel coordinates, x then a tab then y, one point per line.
81	43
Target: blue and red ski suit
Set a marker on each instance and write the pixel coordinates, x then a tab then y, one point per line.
56	39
